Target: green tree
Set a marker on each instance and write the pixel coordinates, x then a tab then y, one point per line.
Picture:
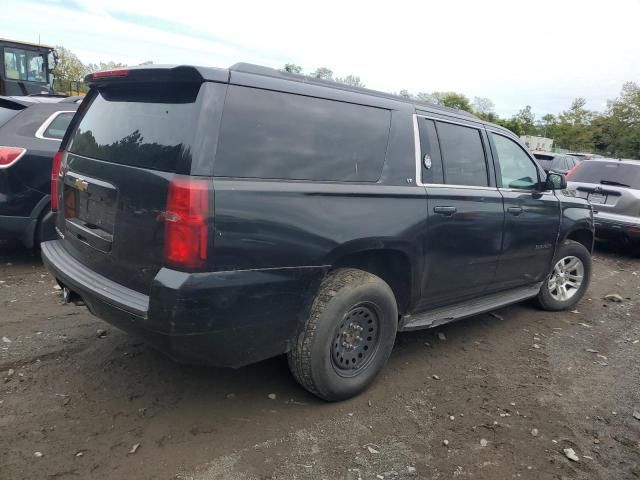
425	97
527	121
323	73
514	124
292	68
623	123
148	62
352	80
547	126
483	105
69	68
574	130
110	65
452	100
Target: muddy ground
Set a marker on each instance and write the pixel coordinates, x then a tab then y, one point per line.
506	393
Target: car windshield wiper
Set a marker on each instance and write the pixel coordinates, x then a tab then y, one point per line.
614	183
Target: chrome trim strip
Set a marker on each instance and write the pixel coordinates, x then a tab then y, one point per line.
418	151
462	123
49	121
466	187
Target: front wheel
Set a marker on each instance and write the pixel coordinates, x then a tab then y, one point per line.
569	279
348	337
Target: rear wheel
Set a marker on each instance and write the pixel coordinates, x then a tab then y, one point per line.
569	279
348	337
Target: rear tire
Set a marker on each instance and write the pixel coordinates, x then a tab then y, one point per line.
348	337
568	280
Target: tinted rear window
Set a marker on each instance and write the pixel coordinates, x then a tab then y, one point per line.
58	126
266	134
592	171
142	125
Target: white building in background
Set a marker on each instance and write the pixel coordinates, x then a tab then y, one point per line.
537	143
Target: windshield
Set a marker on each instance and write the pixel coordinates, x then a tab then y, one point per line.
24	65
608	173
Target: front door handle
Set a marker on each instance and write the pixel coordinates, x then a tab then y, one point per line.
515	210
446	211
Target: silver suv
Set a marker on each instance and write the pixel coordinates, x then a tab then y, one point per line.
613	188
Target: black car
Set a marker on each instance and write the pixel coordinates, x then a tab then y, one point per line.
31	129
556	162
231	215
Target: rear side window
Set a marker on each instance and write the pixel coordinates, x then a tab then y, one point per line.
142	125
607	173
462	155
55	130
266	134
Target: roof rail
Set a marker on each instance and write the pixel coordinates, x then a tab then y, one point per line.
272	72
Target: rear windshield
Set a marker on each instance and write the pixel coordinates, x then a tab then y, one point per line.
608	173
142	125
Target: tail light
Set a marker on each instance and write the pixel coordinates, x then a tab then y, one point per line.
55	172
573	170
185	233
122	72
10	155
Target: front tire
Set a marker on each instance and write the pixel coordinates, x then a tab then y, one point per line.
349	336
569	278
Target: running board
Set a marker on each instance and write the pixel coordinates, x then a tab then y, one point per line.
450	313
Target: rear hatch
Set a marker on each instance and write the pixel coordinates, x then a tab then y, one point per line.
124	149
611	187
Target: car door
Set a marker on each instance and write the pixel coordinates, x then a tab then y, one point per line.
532	215
464	211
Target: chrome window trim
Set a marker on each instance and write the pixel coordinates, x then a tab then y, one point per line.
418	155
463	187
48	122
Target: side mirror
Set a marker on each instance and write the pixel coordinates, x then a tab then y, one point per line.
556	181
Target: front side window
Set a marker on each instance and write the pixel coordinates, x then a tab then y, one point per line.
24	65
462	155
516	168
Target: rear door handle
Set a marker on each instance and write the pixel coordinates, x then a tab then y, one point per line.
446	211
515	210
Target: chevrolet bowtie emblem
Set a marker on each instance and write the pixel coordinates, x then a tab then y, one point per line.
81	184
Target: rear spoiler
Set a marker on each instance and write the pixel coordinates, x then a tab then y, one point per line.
157	73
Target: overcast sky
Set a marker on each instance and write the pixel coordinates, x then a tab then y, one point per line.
541	53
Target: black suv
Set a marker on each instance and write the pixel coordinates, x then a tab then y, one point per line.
31	129
231	215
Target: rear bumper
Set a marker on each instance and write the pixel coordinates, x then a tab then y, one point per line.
612	227
225	319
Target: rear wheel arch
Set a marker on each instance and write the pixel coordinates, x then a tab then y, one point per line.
391	265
